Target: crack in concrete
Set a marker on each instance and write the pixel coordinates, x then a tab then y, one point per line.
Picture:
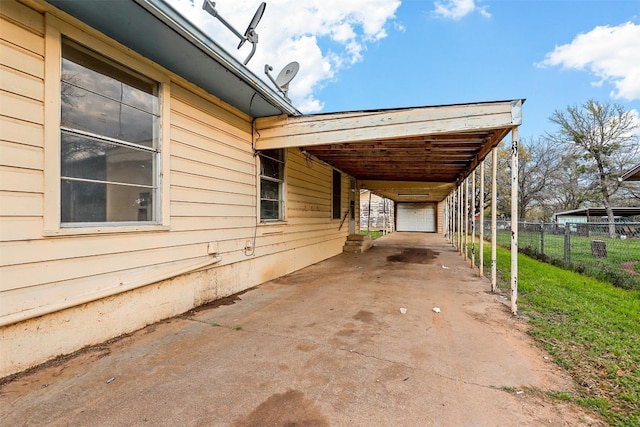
359	353
493	387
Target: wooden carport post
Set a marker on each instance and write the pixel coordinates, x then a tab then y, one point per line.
494	228
514	220
481	221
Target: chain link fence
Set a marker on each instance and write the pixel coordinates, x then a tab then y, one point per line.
607	251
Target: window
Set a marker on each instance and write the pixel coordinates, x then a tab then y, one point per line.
109	141
271	185
336	194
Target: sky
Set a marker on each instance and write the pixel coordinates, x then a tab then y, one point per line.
378	54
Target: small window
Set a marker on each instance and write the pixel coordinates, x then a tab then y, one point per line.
271	185
109	141
336	194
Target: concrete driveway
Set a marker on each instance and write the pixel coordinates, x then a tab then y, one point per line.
325	346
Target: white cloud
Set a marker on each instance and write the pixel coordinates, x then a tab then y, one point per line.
611	53
295	30
458	9
635	117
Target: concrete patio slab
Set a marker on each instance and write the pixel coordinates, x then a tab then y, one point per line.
325	346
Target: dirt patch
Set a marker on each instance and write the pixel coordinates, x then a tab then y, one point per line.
364	316
628	267
230	300
289	409
414	256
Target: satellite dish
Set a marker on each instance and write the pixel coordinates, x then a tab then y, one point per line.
251	29
249	35
284	77
287	74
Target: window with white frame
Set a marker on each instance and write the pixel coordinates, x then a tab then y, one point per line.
336	194
109	141
271	185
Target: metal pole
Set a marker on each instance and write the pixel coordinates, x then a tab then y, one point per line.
514	220
453	216
369	214
445	217
567	243
457	222
460	219
481	220
465	216
450	217
494	216
473	219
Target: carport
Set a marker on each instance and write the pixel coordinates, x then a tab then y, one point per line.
421	155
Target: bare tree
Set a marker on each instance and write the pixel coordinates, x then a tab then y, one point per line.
572	189
538	164
601	138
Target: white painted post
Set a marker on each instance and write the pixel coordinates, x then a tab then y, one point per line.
455	217
466	216
514	220
481	221
472	211
451	216
494	216
446	218
460	219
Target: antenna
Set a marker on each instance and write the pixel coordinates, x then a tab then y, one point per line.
249	35
284	77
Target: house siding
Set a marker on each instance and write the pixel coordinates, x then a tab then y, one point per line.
213	197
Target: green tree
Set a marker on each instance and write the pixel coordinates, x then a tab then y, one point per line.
601	137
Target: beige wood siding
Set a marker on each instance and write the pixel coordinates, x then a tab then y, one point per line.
21	117
212	195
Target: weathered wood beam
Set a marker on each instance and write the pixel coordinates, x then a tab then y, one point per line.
300	131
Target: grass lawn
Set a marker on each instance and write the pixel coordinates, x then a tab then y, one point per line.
590	328
373	234
609	268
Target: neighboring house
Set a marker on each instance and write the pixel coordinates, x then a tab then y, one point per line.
144	171
376	213
597	214
632	175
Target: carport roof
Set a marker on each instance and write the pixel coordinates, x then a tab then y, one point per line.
408	155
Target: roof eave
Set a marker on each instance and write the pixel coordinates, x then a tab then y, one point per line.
178	23
153	29
632	175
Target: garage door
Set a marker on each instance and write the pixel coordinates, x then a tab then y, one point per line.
416	217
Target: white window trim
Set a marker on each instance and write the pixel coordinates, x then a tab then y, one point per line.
283	219
333	170
55	30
